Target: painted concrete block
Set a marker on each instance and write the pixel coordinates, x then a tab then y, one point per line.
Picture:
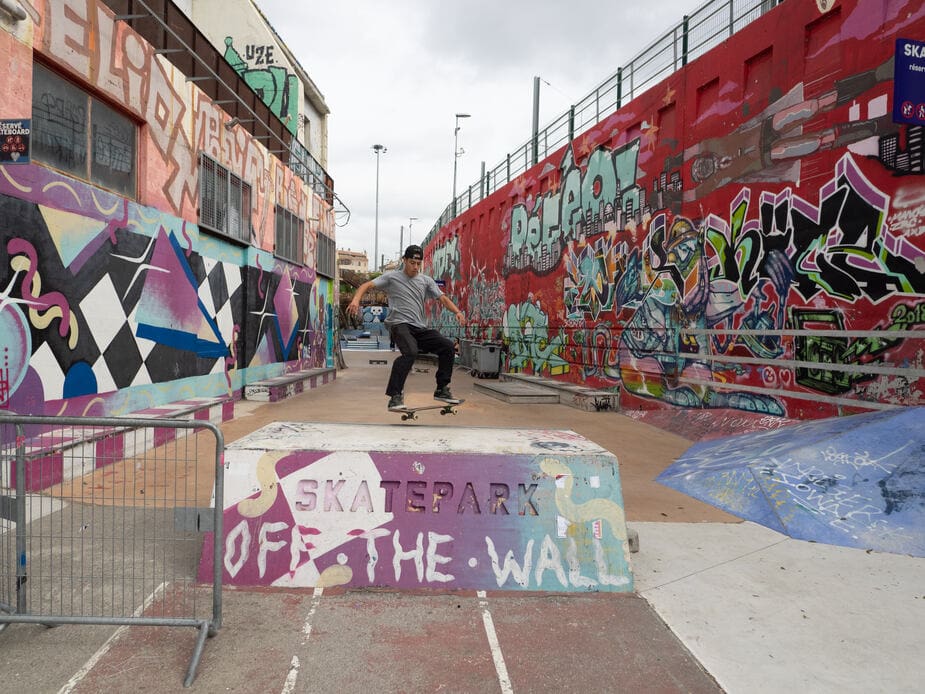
397	506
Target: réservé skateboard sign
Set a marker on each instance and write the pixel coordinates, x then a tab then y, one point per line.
14	140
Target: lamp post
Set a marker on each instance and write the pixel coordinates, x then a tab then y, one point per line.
456	155
410	220
378	149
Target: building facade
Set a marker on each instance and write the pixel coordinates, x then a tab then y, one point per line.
353	260
166	233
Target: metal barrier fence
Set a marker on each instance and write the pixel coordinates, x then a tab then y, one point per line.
101	522
704	29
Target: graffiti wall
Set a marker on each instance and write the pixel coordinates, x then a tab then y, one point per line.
110	304
747	238
309	504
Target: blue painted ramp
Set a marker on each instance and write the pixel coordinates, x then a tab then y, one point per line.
855	481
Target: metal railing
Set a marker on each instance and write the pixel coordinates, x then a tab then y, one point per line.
838	368
706	28
101	522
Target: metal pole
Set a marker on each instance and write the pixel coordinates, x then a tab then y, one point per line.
536	120
455	159
20	514
456	155
378	149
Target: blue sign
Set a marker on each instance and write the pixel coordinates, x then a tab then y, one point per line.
909	82
14	140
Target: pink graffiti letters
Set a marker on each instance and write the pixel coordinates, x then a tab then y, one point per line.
324	496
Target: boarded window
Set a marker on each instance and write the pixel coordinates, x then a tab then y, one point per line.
707	96
758	77
667	123
80	135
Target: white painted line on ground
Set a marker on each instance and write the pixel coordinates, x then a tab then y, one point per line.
95	658
293	675
316	598
493	644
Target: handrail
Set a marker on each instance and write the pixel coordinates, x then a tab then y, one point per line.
694	36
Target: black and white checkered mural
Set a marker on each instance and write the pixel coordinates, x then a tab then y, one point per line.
108	307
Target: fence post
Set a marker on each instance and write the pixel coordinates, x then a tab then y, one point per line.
619	87
20	519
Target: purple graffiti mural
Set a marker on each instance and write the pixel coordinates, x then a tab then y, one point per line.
546	514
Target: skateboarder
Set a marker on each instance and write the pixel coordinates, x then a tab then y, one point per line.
408	289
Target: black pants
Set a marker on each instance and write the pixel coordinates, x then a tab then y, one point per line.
410	341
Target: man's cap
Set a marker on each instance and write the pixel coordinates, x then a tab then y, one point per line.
413	252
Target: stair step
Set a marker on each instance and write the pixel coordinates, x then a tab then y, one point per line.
571	394
521	393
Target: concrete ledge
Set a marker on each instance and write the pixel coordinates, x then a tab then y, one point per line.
580	397
492	509
285	386
57	455
514	392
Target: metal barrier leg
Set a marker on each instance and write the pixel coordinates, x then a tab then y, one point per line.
197	653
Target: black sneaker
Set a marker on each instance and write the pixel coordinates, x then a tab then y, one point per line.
397	402
445	395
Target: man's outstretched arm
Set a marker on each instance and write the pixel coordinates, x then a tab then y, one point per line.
354	306
451	307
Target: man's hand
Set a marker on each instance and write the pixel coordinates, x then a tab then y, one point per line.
353	308
460	318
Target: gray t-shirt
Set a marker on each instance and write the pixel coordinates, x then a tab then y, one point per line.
407	296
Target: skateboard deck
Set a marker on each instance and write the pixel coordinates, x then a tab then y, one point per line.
411	412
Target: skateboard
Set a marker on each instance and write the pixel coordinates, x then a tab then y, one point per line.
411	412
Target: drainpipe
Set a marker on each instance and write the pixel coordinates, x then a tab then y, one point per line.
13	8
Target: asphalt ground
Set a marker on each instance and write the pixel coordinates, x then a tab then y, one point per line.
720	605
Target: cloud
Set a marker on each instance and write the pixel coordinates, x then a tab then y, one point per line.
396	72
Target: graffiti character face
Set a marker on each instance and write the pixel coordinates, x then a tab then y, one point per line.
682	246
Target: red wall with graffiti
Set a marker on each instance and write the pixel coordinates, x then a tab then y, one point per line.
748	234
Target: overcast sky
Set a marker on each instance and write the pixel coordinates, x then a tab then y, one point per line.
396	72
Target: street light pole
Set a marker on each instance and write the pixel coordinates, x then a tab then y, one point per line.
456	155
378	149
410	219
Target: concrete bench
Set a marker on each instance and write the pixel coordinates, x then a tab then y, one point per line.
286	385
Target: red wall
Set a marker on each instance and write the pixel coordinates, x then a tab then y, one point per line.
762	193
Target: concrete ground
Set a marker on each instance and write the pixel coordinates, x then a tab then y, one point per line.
721	605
